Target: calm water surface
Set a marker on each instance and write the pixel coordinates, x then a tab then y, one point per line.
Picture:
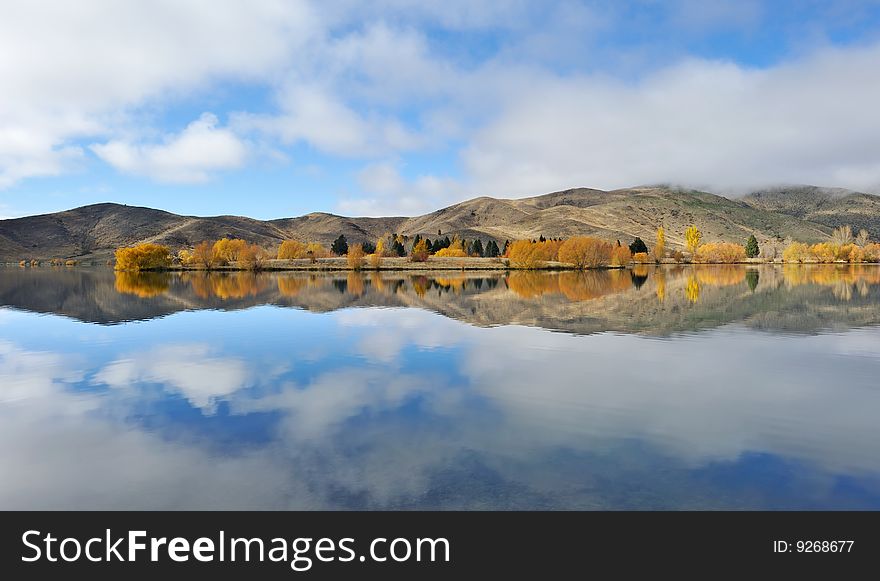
672	388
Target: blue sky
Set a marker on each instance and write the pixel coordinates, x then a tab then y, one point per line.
278	108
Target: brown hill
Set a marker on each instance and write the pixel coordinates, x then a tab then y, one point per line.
830	207
93	232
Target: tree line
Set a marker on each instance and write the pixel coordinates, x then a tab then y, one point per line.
581	252
844	246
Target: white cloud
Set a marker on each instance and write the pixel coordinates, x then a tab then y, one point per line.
76	71
387	193
188	157
316	116
191	370
702	123
370	81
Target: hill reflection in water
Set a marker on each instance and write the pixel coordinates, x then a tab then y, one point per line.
659	388
646	300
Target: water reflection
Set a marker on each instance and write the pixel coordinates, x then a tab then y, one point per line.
645	299
265	391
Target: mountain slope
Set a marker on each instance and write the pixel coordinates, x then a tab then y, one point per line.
831	207
800	213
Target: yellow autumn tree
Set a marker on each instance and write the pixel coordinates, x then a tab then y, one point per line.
660	245
720	252
251	257
586	252
292	250
420	252
796	252
376	258
355	256
692	237
621	256
456	250
203	255
185	257
528	254
824	251
227	250
143	257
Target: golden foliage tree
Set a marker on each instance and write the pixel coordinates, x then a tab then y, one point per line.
641	258
227	250
185	257
455	249
796	252
660	245
862	238
420	251
585	252
143	257
824	251
528	254
292	250
720	252
355	256
692	238
872	252
203	255
251	257
621	256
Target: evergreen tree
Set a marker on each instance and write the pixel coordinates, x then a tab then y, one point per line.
417	239
429	244
752	249
506	246
638	246
446	242
369	247
542	239
339	246
477	248
398	248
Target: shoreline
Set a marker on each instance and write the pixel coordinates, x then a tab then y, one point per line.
340	264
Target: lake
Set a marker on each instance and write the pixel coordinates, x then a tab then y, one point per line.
652	388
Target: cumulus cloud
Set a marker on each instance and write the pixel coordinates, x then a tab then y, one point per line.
188	157
703	123
191	370
547	100
75	72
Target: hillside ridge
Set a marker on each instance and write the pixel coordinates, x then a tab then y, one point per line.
774	216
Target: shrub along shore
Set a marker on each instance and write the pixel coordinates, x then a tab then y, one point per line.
398	252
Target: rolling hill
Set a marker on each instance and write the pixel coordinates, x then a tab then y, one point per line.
774	216
830	207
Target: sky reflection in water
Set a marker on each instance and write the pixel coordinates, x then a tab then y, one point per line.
679	388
